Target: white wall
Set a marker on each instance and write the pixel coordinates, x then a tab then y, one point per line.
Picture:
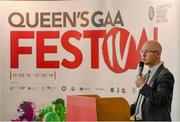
0	69
176	97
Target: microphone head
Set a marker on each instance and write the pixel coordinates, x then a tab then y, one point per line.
141	67
141	64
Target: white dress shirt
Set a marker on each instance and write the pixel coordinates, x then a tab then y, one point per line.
138	112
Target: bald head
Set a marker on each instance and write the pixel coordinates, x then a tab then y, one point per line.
153	45
151	53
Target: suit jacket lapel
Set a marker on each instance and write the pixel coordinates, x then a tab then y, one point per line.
155	75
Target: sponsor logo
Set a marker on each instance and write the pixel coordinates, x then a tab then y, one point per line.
84	88
72	88
63	88
112	89
117	90
123	90
17	87
162	13
151	13
29	88
32	88
100	89
51	87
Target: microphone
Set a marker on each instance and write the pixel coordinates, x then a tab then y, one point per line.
141	67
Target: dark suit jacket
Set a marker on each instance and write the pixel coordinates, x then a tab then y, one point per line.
158	96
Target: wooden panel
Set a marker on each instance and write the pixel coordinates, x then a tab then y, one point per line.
111	109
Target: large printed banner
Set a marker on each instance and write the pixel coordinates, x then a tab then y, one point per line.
51	49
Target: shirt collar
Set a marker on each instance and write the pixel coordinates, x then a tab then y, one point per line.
154	69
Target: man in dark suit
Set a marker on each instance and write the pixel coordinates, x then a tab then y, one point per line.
155	87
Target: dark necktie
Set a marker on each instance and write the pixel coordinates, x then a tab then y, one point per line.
148	76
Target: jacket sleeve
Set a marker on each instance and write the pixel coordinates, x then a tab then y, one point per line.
133	108
161	91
